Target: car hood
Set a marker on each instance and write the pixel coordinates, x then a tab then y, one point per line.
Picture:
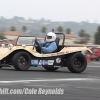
4	51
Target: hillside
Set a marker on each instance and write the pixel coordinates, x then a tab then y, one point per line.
34	26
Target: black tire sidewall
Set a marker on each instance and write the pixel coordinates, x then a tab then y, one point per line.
1	67
15	61
71	65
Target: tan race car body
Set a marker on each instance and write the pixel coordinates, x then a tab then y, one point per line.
4	51
23	56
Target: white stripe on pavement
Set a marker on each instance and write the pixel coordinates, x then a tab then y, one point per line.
95	62
50	80
93	66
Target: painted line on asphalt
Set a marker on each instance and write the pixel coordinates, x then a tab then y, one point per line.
93	66
46	85
95	63
91	88
50	80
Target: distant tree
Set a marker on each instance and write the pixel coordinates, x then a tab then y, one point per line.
82	33
84	37
2	18
60	29
24	28
87	36
97	36
43	30
2	36
12	28
68	31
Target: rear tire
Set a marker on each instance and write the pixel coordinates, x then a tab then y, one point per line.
21	61
1	67
76	63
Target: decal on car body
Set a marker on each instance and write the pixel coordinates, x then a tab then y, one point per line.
34	62
50	62
45	62
58	60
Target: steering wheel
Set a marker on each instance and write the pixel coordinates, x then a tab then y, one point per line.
37	44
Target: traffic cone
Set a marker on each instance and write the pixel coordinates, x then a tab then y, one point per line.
88	57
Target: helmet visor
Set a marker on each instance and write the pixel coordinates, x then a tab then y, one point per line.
49	37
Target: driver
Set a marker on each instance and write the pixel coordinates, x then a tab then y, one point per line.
49	45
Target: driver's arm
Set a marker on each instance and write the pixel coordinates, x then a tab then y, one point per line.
41	43
52	47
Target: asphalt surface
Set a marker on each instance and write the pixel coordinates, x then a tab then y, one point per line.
69	86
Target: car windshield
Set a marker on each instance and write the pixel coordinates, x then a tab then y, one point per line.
25	40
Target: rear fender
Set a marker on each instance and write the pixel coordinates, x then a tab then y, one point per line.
89	51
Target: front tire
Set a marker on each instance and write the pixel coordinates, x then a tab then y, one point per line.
21	61
76	63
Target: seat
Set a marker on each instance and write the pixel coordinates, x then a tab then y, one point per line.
57	42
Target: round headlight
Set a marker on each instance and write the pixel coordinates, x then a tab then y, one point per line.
23	45
2	45
10	46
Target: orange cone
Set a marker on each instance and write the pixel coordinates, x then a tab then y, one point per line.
88	57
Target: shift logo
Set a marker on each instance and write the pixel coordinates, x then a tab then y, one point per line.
46	62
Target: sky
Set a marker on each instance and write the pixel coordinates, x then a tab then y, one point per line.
54	10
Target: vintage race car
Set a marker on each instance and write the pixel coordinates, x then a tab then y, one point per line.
26	53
